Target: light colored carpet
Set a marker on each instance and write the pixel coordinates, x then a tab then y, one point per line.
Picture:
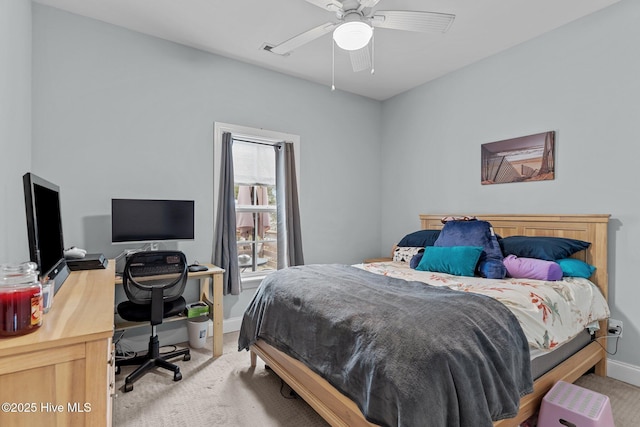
213	392
624	398
227	392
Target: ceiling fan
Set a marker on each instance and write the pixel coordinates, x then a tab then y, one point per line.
354	29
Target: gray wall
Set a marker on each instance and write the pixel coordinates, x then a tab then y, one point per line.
120	114
111	108
15	126
581	81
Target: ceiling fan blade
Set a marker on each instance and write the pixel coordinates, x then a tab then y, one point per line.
304	38
331	5
360	59
367	3
425	22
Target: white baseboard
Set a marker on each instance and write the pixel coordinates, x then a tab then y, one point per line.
231	325
624	372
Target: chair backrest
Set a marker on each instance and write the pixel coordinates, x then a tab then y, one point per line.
159	273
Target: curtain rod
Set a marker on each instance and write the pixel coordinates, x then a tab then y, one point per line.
255	141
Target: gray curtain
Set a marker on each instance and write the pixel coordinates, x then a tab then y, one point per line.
225	248
289	235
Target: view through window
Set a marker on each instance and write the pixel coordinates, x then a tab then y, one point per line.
254	166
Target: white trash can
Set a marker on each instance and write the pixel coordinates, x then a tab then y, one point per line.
197	329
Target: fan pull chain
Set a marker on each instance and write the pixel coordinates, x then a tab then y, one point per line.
333	65
373	45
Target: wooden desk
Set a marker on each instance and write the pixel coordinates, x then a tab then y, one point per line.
213	301
63	373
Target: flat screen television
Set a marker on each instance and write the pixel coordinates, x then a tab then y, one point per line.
44	228
146	220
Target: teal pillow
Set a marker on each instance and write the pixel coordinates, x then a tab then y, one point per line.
572	267
457	260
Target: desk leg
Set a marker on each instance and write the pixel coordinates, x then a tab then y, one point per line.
217	315
215	305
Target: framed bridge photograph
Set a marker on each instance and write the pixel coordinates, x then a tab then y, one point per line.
522	159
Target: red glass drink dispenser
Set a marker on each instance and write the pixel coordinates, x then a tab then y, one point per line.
20	299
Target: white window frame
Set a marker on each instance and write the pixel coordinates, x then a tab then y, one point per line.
239	132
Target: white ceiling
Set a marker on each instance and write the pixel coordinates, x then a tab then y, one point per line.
403	60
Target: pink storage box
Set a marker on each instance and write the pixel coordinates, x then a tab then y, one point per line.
573	406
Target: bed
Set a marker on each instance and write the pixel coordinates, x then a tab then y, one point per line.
339	410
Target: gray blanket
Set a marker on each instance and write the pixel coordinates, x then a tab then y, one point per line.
408	354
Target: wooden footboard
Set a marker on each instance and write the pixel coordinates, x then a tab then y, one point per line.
340	411
337	409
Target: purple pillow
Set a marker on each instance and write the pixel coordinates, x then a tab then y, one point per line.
532	268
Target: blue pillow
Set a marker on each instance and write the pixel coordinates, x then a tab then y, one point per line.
415	260
476	233
572	267
542	247
420	238
457	260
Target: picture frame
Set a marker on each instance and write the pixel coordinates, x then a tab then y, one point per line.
521	159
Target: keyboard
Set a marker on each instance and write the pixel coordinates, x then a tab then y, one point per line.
155	269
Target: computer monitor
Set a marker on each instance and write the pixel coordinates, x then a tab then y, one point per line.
145	220
44	228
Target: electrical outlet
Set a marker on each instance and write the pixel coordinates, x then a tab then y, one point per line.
615	327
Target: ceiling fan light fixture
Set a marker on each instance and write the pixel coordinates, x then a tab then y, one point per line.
352	35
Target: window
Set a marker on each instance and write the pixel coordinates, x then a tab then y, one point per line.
254	164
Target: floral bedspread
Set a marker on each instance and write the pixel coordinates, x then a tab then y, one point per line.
550	313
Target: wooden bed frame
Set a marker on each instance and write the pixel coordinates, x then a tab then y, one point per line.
340	411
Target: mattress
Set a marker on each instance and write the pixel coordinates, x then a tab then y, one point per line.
544	361
550	313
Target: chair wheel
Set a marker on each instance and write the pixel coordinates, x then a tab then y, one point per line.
177	376
186	357
128	387
117	370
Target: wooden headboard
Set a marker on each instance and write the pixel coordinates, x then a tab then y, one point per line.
590	228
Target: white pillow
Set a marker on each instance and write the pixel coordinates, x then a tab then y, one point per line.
405	253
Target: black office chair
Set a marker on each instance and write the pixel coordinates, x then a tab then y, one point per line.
154	282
